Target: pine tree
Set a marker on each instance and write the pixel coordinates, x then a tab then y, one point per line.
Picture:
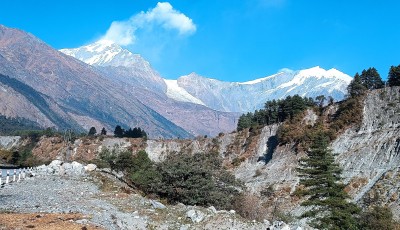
92	131
119	132
103	131
244	121
356	87
394	76
320	176
371	79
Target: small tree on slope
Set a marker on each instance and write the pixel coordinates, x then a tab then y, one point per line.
394	76
320	176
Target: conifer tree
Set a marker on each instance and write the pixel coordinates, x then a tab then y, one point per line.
394	76
119	131
244	121
103	131
320	176
356	87
92	131
371	79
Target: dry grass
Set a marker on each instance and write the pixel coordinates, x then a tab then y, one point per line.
43	221
250	207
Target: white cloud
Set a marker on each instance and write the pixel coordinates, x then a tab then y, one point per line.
164	15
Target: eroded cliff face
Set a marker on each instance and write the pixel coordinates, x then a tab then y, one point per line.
369	156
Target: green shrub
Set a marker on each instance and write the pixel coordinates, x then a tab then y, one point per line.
144	173
196	180
124	161
108	157
377	218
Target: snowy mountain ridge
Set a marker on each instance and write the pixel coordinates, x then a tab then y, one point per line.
106	53
215	94
251	95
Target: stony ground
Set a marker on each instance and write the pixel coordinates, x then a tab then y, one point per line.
99	201
54	221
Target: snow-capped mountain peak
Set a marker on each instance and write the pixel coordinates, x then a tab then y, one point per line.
317	74
122	65
106	53
178	93
251	95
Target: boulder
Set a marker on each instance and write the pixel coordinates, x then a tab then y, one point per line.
212	209
54	167
77	168
67	168
90	167
195	215
74	168
279	225
157	205
55	163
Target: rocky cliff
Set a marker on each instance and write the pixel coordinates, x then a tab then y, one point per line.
369	155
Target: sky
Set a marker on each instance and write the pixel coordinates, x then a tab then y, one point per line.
235	40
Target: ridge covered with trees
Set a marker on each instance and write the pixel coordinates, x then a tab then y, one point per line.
12	126
136	132
275	111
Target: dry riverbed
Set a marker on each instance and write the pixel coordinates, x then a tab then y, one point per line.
99	201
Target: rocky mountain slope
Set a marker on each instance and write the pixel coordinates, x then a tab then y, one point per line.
119	64
56	90
136	75
369	156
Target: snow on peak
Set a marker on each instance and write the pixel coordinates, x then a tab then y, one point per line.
178	93
317	73
259	80
105	53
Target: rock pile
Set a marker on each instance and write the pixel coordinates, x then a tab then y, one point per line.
57	167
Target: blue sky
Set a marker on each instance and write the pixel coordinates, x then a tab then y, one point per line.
235	40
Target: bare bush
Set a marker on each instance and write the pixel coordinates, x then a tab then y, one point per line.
250	207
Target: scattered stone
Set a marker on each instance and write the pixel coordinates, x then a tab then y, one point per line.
195	215
184	227
82	221
78	168
90	167
280	225
212	209
157	205
267	223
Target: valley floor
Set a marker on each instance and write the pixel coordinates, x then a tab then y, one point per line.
97	201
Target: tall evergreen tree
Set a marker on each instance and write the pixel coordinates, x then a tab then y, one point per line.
394	76
371	79
320	176
103	131
320	100
356	87
92	131
244	121
118	132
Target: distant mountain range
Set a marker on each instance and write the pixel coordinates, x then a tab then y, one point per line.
222	96
109	85
251	95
